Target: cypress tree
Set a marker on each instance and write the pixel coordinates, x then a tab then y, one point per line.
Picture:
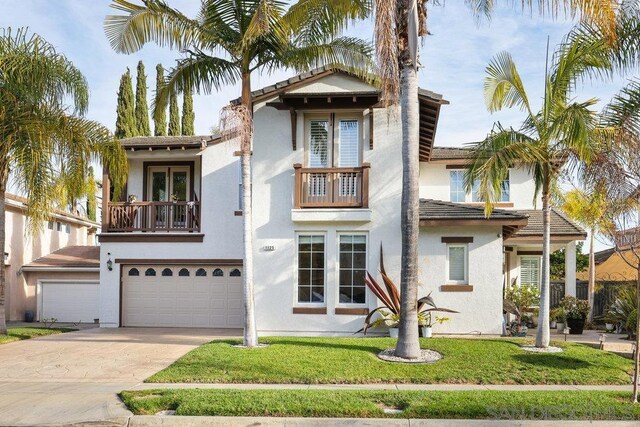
142	109
125	120
188	116
160	118
174	115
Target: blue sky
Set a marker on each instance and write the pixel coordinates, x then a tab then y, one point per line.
454	59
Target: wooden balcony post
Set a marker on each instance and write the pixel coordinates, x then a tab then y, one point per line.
106	191
365	184
297	184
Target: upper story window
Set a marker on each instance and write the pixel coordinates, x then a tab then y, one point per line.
457	191
333	140
505	190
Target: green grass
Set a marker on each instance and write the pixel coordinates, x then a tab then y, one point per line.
17	334
354	360
508	405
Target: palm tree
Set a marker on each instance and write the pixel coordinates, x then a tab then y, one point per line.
398	26
43	144
563	130
589	209
225	44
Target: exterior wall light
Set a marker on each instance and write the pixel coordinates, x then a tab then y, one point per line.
109	262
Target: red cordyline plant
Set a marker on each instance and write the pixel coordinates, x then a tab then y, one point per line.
390	298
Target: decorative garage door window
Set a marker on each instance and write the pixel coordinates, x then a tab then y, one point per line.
167	272
134	272
184	272
235	273
218	272
150	272
201	272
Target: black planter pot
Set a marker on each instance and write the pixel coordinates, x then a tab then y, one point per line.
576	326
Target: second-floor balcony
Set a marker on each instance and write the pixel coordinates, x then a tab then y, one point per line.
331	187
153	216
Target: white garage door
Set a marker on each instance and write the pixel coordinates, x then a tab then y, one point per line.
182	296
69	301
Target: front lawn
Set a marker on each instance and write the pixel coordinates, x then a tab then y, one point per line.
17	334
505	405
354	360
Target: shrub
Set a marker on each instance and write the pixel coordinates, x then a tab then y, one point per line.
623	310
575	308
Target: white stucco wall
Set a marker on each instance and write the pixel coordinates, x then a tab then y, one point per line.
435	184
275	272
221	228
481	309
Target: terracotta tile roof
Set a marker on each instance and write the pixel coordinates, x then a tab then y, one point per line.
560	225
70	257
441	210
167	141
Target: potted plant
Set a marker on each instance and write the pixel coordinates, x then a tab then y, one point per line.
521	301
426	323
576	311
389	312
559	316
132	198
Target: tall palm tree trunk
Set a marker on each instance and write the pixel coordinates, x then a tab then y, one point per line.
543	334
3	189
636	359
408	345
592	276
250	332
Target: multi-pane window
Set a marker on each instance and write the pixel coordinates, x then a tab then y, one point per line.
530	271
505	190
353	265
457	263
319	143
457	191
311	267
349	147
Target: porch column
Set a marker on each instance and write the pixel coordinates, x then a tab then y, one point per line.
570	269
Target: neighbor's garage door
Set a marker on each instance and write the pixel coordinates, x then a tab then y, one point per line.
182	296
69	301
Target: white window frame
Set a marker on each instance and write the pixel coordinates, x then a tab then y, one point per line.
508	199
297	303
531	257
333	145
337	275
451	172
465	246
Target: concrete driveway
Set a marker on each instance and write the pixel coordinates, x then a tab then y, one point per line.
75	377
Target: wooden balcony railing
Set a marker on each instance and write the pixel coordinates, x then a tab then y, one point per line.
153	216
331	187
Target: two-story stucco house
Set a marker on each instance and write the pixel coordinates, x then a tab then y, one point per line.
326	195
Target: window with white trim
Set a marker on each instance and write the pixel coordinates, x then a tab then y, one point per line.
311	268
505	190
456	186
530	271
353	267
319	143
457	263
349	147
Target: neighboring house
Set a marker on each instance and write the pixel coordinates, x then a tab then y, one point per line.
63	229
327	183
611	267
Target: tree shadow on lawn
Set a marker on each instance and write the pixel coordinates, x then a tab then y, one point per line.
553	360
332	345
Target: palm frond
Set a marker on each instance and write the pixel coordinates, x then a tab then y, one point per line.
503	85
267	21
492	158
386	42
201	73
153	22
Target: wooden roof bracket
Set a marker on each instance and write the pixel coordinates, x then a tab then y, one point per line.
294	128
